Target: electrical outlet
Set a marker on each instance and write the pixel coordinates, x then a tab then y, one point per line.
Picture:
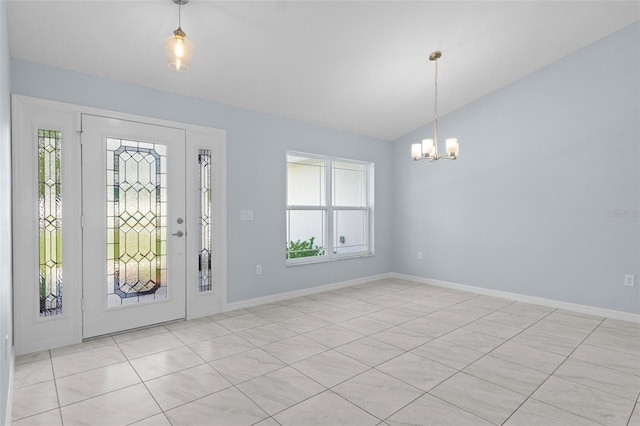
246	215
419	255
258	269
630	280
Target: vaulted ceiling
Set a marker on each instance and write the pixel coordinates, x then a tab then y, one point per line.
360	66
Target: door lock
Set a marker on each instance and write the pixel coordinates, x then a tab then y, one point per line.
179	234
179	221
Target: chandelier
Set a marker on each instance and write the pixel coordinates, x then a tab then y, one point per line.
428	149
177	47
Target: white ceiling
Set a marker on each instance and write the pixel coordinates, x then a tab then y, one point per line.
358	66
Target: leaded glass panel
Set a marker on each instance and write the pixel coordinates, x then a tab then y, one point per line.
50	222
136	221
204	258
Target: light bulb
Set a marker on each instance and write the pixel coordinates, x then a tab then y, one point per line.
416	151
179	47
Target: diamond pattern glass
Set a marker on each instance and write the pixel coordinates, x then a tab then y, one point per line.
50	222
204	258
136	222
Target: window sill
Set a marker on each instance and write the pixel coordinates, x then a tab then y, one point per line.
324	259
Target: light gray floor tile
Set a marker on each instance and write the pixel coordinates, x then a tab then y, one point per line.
228	407
417	371
280	313
635	417
139	334
484	399
479	342
370	351
48	418
429	327
268	422
617	340
431	411
365	325
166	362
294	349
247	365
377	393
304	323
330	368
32	357
536	413
450	317
605	379
79	362
280	389
333	335
266	334
528	310
491	328
137	348
177	325
533	358
185	386
88	384
325	409
79	347
402	337
512	320
362	307
560	345
198	333
243	322
335	315
34	399
32	373
585	401
448	353
120	407
157	420
621	361
308	306
507	374
221	347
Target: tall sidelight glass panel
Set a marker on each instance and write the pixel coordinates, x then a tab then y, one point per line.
136	222
204	259
50	221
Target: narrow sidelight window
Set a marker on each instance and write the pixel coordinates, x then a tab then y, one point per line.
204	258
50	222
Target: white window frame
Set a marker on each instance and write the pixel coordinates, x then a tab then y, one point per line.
329	210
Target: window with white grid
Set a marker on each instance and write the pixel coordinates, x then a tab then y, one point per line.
329	213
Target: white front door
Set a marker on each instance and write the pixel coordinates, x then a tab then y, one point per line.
134	224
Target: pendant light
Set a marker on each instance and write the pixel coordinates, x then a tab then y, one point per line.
428	149
177	47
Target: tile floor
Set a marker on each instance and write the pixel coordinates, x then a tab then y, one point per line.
385	353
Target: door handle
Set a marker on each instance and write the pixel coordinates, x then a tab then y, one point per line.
179	234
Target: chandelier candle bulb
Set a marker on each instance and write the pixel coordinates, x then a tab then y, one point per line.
452	147
416	151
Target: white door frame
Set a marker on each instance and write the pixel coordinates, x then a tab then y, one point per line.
33	333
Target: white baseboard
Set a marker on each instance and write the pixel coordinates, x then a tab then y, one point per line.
304	292
9	400
584	309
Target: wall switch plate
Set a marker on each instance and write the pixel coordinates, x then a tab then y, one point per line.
419	255
258	269
246	215
630	280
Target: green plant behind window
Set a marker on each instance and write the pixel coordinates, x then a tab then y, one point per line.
305	248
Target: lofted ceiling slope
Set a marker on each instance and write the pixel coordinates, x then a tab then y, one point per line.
359	66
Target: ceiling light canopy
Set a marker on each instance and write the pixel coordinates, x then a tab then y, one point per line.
428	149
177	47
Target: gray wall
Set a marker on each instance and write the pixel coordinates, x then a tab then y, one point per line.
256	171
5	213
544	163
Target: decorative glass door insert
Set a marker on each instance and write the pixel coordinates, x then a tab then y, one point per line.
136	221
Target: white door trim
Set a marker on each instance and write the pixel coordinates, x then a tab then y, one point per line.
68	327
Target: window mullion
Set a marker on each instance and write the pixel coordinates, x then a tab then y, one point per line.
329	204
